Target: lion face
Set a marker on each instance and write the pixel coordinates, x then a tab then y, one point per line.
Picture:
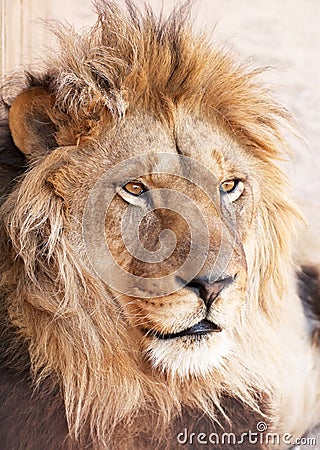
166	229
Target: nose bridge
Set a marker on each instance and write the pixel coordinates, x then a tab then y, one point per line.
222	245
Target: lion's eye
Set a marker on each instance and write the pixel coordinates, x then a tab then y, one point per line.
228	185
134	187
234	188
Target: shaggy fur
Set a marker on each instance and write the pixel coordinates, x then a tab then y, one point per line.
64	333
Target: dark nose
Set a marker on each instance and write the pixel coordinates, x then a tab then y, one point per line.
207	290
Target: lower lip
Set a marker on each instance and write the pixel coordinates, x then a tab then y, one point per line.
203	328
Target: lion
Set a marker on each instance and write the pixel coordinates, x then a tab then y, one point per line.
150	297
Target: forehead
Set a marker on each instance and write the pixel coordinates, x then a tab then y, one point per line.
191	137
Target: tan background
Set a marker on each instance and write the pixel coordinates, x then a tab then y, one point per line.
283	34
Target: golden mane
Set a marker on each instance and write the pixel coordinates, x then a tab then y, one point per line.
162	64
57	308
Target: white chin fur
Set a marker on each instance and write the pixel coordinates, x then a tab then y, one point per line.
184	357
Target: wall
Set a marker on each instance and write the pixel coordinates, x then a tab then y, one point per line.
19	31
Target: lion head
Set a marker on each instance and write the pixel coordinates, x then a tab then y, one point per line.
147	246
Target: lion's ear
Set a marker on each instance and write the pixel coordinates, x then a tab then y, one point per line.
32	129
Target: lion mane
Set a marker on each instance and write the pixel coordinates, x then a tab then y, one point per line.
71	376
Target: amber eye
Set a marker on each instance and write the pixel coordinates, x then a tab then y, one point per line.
228	186
134	187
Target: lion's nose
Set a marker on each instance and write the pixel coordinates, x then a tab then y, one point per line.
207	290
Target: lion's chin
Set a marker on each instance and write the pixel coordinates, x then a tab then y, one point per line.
189	355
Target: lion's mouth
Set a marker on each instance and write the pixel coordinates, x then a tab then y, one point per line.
201	328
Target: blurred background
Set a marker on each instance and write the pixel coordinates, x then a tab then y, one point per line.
284	36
